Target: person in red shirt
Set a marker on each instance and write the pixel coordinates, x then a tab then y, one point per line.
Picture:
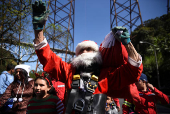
149	96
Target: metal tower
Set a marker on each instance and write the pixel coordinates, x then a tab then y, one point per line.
125	13
60	27
59	31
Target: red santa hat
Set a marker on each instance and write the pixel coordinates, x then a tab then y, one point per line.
86	44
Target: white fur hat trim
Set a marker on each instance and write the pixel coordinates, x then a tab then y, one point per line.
25	67
86	44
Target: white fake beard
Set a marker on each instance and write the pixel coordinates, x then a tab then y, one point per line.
86	59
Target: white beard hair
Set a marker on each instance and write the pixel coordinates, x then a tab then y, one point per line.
86	59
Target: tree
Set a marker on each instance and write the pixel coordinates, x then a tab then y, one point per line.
8	58
157	32
14	27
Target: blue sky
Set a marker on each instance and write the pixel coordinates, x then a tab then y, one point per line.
92	18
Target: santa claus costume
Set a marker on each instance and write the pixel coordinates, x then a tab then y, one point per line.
89	77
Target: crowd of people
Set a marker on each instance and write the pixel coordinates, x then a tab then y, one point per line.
94	78
31	96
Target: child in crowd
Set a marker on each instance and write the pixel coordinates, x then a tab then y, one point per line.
44	101
111	107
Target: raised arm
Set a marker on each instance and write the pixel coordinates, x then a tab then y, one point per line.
40	16
132	53
39	37
52	63
122	34
163	98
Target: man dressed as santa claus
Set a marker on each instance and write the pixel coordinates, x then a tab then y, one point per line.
95	72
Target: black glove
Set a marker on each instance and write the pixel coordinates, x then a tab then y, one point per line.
40	15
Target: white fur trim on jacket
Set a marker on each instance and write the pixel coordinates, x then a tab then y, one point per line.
40	45
86	44
135	63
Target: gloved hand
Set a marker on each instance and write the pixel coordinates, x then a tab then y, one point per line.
121	34
40	15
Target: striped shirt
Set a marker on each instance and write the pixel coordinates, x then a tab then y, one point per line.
49	105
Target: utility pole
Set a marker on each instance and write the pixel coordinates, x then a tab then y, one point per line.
159	85
168	8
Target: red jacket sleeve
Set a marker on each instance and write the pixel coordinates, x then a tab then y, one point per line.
164	99
59	88
116	100
121	80
53	64
124	75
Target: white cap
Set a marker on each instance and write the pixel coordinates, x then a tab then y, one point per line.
25	67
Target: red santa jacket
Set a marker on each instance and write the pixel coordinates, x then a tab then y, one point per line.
111	79
59	88
148	102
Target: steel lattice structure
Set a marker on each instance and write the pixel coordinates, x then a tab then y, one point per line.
62	18
125	13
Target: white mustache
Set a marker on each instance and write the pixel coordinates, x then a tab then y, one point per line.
86	59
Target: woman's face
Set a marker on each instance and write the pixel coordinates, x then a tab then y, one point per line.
19	74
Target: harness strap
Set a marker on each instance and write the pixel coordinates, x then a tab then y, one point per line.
131	106
127	103
81	99
73	94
